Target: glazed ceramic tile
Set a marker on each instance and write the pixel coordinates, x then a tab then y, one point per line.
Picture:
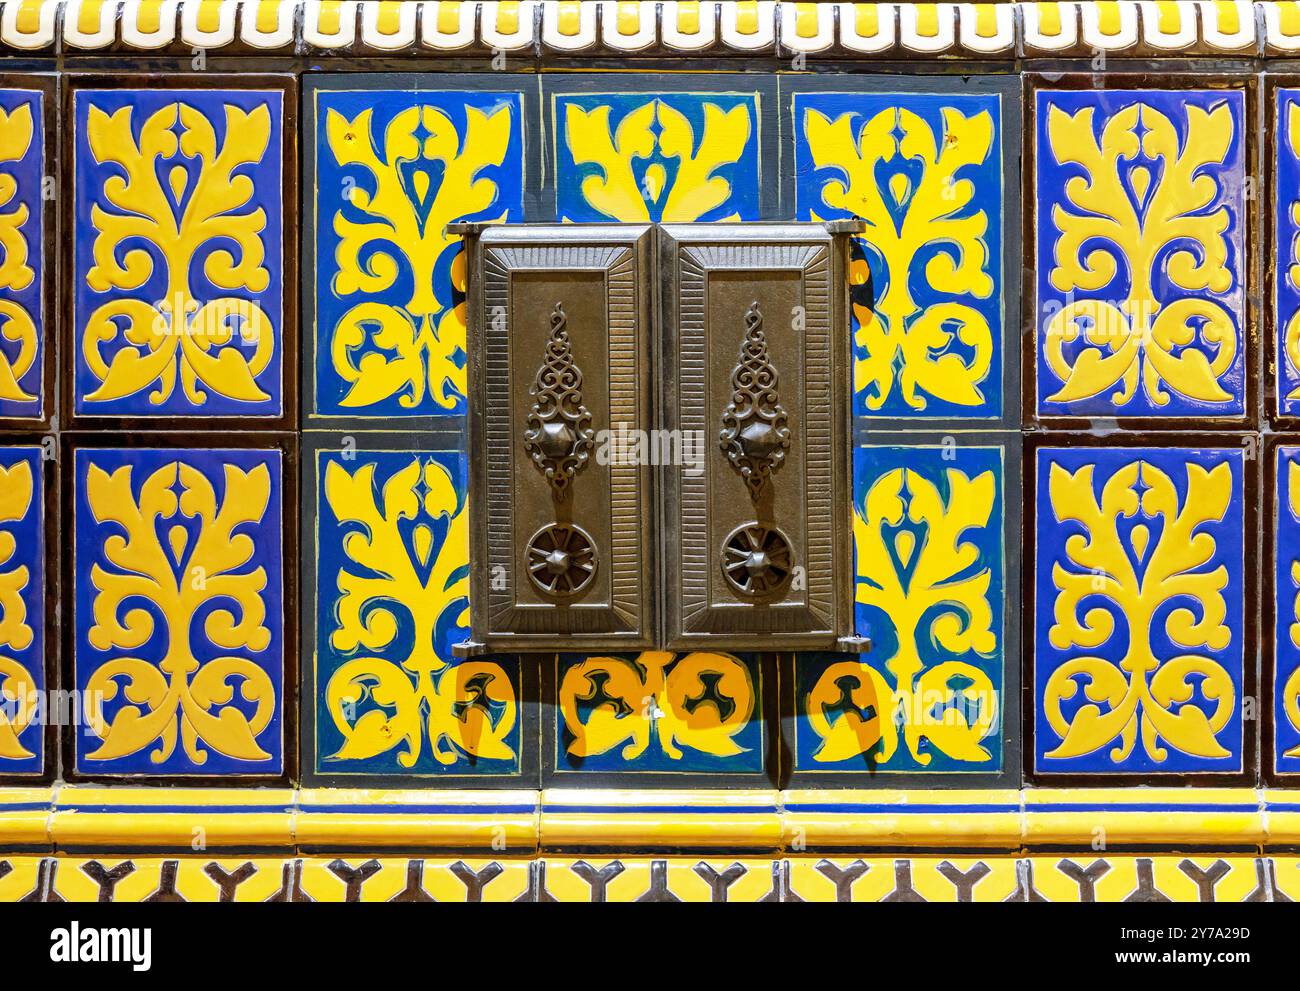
852	818
391	546
391	168
178	623
1140	615
1199	878
642	879
914	879
170	818
1160	813
1105	878
658	713
698	149
369	879
504	822
1285	875
23	637
1286	250
178	233
1141	231
1286	610
669	813
151	879
23	264
933	177
25	815
930	589
158	200
23	879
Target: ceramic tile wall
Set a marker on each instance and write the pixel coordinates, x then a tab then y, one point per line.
233	394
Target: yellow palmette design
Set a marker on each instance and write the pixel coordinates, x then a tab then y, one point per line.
16	323
655	126
16	682
1291	335
1291	690
899	340
701	703
425	175
1111	225
469	708
179	339
179	696
910	549
1140	695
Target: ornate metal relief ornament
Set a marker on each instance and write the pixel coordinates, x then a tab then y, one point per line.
754	433
559	438
561	559
756	558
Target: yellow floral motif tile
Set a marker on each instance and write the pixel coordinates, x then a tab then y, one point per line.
179	610
668	157
178	253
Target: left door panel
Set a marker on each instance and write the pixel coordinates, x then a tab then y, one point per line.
561	438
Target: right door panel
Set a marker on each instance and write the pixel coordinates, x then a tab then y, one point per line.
754	391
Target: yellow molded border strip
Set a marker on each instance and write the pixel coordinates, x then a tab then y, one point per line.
1172	817
197	818
518	823
629	819
366	818
25	815
953	819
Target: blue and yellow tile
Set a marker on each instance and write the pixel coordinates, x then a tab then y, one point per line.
392	598
179	645
658	712
1286	225
22	254
1139	612
1141	233
666	157
23	637
392	169
178	232
1286	612
930	585
925	172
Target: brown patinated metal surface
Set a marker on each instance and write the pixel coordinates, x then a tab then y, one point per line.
754	359
559	371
